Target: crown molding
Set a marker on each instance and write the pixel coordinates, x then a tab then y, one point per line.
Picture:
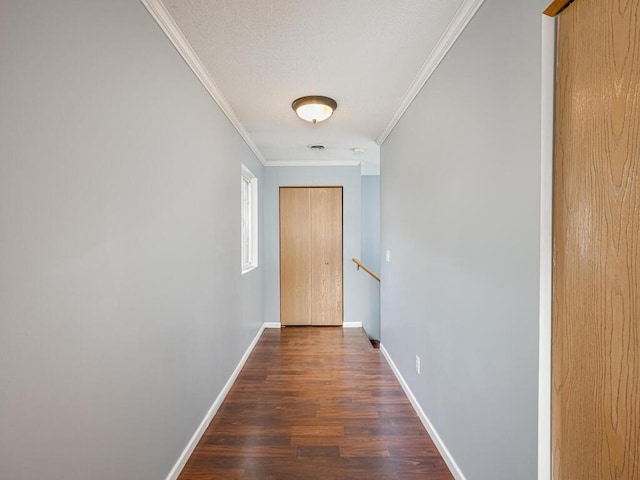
462	17
164	19
312	163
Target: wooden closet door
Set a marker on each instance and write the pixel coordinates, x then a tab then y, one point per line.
311	256
596	243
326	260
295	256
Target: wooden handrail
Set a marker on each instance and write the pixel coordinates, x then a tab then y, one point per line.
360	265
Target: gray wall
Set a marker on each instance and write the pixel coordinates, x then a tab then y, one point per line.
371	250
122	307
460	200
355	300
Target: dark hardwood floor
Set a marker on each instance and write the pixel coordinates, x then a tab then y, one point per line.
316	403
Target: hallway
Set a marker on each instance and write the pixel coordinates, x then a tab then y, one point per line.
316	403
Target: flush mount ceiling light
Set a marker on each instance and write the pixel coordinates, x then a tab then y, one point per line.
314	108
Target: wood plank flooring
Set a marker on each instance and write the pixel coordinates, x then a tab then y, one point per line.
316	403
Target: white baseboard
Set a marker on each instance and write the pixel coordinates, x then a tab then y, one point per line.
182	460
351	324
442	448
272	325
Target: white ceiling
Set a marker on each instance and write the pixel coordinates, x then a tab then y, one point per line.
263	54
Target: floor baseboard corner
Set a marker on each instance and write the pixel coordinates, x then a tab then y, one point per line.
186	453
351	324
433	433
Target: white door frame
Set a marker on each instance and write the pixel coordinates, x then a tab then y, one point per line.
548	60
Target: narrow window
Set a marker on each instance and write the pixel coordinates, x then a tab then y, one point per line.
249	195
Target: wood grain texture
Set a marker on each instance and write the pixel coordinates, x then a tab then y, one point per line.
596	276
311	256
319	404
326	255
295	256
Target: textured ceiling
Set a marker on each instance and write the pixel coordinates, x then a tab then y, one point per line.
263	54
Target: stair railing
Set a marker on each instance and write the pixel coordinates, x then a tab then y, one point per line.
360	265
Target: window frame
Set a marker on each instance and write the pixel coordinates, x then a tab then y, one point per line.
248	220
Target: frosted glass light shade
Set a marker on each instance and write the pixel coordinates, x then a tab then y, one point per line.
314	109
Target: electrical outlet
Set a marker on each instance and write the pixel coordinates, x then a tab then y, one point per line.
388	256
418	364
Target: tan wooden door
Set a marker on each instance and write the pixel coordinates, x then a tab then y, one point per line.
295	256
596	243
311	255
